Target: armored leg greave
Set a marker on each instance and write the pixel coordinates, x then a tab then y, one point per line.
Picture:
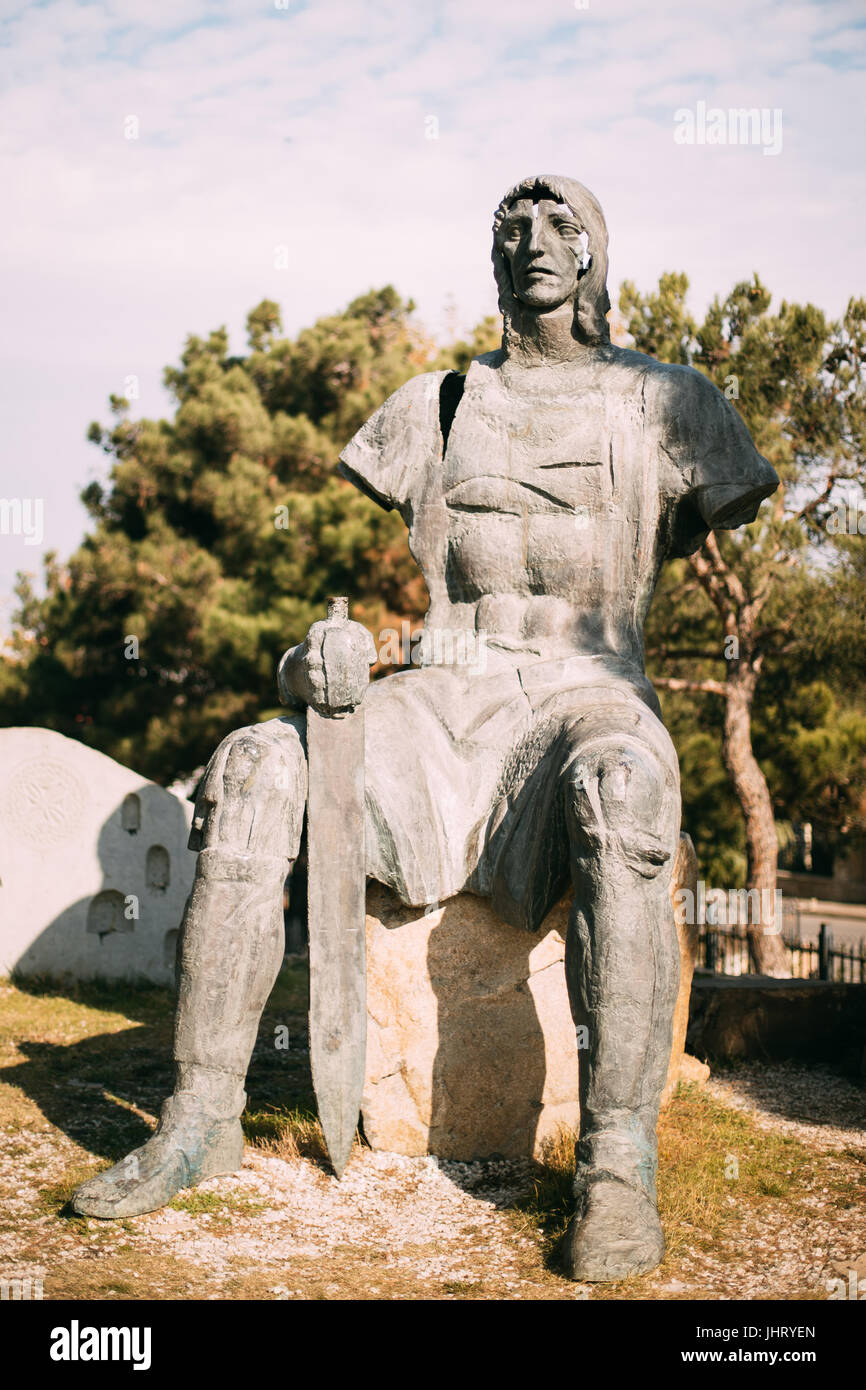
247	827
622	962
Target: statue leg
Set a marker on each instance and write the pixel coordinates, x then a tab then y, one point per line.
622	966
247	827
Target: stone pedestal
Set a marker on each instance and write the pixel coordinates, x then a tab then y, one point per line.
685	875
471	1048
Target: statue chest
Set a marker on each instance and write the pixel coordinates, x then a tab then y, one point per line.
519	455
537	494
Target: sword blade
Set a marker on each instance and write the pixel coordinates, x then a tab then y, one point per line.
337	917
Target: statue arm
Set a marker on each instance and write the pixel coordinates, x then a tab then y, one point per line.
387	460
720	479
391	454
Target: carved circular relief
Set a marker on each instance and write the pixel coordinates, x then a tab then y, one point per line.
44	801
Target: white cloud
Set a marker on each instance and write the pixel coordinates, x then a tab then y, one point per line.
305	127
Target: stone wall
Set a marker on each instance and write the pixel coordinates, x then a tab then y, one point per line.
755	1018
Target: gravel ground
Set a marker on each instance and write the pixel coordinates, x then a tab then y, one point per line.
412	1217
811	1104
398	1227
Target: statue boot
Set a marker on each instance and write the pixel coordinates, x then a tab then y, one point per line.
622	965
249	808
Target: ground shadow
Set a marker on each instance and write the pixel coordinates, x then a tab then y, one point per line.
805	1092
490	1068
92	1089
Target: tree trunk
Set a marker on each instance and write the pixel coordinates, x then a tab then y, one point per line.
764	923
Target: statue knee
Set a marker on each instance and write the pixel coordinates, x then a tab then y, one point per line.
253	793
623	802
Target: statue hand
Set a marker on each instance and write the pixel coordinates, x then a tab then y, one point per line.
330	668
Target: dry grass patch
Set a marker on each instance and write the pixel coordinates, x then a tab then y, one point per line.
715	1166
83	1071
712	1157
290	1134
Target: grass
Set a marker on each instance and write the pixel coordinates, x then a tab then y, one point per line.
288	1134
714	1164
221	1206
549	1205
83	1070
94	1059
707	1153
54	1199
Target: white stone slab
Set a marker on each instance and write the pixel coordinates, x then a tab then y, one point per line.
85	845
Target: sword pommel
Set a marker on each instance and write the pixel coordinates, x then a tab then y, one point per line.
338	610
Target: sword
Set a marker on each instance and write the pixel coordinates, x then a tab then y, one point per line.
337	894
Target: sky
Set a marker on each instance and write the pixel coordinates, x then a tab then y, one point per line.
165	166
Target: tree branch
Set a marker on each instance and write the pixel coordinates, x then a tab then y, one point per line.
834	477
703	687
732	584
712	586
685	651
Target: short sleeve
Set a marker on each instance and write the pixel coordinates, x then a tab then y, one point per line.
390	456
720	479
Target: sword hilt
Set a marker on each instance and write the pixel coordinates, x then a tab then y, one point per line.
344	645
338	610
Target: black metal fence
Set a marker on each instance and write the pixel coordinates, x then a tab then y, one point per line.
726	950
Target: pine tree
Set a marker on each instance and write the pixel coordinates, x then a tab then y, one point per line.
741	620
217	540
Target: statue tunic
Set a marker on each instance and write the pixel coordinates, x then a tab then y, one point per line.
541	505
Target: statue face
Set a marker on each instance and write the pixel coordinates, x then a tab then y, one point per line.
543	246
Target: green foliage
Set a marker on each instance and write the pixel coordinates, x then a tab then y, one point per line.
486	337
659	323
798	382
217	539
220	533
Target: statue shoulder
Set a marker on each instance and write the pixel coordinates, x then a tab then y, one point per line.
687	394
393	449
691	415
668	387
694	418
714	475
417	391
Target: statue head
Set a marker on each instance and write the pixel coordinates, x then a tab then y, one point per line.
550	251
